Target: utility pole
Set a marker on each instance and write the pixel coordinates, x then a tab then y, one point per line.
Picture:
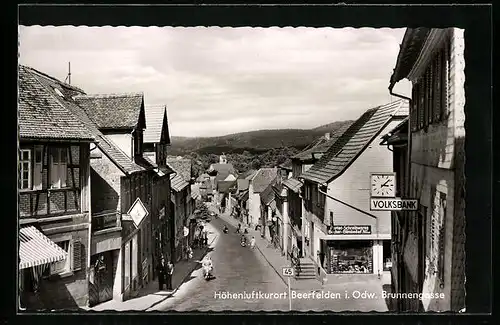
68	77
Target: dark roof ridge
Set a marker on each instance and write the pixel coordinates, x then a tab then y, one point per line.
110	95
346	136
52	78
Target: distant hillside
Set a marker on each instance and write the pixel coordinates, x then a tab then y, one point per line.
253	141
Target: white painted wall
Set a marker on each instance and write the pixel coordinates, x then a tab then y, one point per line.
353	187
122	141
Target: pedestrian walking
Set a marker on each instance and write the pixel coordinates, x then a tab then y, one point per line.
252	242
161	269
238	230
169	274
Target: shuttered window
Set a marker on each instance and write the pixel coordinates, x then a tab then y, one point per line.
436	112
77	255
421	102
25	169
445	81
58	167
414	108
37	168
430	93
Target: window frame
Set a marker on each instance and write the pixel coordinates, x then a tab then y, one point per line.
37	168
21	168
68	267
59	167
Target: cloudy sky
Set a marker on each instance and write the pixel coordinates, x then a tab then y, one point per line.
217	81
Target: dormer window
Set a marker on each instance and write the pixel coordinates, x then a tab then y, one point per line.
58	92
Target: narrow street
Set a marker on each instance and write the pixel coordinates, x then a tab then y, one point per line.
237	270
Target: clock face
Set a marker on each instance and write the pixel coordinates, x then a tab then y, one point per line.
383	185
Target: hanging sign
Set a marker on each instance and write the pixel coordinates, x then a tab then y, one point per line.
137	212
186	231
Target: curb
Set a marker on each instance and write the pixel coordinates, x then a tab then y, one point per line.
183	279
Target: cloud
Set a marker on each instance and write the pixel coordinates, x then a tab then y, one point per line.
217	81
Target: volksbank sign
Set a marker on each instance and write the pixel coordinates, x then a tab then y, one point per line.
393	204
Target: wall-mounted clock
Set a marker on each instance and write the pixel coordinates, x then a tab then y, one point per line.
383	184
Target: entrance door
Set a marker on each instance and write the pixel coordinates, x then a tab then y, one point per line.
104	268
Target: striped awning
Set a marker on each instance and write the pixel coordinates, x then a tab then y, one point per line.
37	249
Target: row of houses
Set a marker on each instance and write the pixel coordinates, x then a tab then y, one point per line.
320	202
98	202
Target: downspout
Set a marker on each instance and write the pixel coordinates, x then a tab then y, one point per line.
408	153
406	190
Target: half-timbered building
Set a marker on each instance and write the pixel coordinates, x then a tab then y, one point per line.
54	197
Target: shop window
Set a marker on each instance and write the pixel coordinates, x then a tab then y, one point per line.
350	257
25	169
58	167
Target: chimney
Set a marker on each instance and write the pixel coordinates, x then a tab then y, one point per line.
327	136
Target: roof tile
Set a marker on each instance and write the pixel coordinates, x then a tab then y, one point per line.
263	178
353	142
155	119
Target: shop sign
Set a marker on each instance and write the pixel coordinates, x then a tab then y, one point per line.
137	212
350	230
393	204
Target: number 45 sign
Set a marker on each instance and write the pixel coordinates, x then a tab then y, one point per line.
288	271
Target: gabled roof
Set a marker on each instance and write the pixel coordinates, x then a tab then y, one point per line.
242	184
353	142
223	171
267	196
248	173
181	166
177	183
42	115
263	178
321	145
117	156
157	124
398	135
114	111
293	184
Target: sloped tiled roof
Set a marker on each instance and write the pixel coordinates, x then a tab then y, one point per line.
410	49
225	186
246	174
223	171
117	156
293	184
156	118
42	115
263	178
267	196
202	177
181	166
322	145
113	111
242	184
348	147
177	183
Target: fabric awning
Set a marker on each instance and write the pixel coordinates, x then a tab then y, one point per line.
37	249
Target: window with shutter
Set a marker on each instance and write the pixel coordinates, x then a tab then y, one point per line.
436	112
77	255
430	96
421	103
25	168
37	168
58	167
445	83
413	112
